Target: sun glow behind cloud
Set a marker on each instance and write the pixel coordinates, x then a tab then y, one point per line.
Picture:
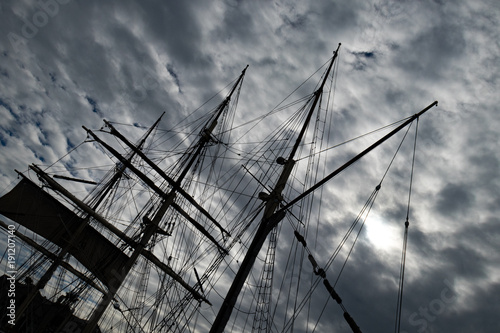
383	234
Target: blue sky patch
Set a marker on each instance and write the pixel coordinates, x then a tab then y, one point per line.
93	103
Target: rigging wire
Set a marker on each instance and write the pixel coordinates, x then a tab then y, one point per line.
69	152
186	117
277	108
399	305
329	106
358	137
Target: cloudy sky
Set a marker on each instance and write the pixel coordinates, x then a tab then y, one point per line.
70	63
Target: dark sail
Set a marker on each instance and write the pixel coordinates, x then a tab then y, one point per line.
35	209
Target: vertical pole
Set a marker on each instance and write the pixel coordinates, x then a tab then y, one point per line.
269	220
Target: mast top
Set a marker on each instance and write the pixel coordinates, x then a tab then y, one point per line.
337	50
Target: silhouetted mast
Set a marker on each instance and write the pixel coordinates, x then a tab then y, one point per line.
152	225
269	220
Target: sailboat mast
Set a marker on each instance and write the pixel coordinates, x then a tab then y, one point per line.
153	225
269	220
206	132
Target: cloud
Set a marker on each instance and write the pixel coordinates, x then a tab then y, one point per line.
455	200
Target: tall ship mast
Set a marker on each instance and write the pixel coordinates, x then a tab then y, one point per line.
182	233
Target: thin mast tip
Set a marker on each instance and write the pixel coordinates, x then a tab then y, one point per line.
337	48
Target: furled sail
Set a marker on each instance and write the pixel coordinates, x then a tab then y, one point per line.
35	209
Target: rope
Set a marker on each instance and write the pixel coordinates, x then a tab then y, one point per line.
412	167
399	306
69	152
357	138
279	107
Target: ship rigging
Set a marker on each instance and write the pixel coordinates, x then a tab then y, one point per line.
183	232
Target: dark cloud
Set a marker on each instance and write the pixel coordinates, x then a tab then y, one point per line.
454	200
